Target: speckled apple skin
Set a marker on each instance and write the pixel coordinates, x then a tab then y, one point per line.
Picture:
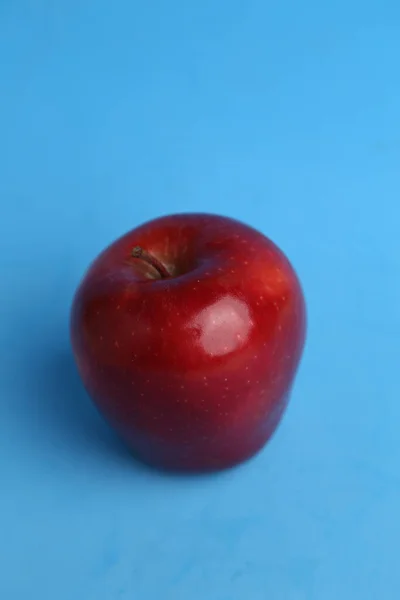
194	371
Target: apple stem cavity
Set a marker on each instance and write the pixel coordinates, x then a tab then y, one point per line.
139	252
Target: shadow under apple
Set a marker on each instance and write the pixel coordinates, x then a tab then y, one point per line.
68	419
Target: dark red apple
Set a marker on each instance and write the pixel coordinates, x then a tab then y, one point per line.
187	333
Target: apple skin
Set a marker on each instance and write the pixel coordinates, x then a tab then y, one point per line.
194	371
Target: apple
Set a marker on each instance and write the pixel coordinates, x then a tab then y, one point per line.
187	333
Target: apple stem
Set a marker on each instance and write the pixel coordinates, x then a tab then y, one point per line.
138	252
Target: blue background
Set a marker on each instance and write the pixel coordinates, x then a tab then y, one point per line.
285	115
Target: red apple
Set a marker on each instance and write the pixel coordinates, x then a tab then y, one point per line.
187	333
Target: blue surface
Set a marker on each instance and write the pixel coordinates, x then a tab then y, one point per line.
285	115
